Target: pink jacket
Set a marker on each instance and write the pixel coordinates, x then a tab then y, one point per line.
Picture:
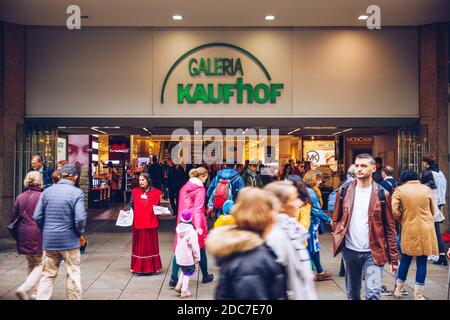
187	251
192	196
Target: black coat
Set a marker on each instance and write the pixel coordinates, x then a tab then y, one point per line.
248	267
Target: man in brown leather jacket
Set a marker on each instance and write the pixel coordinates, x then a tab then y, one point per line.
366	242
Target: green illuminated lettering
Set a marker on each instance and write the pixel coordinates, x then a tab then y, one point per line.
266	96
193	71
183	93
200	93
274	93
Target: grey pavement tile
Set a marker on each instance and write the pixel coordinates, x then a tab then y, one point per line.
101	294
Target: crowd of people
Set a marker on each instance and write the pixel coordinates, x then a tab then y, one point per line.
266	237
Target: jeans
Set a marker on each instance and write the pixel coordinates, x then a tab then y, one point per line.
421	272
355	263
52	260
203	265
315	257
441	244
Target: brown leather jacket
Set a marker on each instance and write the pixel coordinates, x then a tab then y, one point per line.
383	244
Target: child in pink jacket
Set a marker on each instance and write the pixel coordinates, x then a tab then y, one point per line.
187	252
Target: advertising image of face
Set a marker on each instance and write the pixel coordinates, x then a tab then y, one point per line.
78	150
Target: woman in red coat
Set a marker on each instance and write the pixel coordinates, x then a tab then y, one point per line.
145	250
192	196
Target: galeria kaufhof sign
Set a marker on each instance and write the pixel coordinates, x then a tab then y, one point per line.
217	93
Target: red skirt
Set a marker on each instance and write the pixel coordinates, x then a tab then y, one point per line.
145	252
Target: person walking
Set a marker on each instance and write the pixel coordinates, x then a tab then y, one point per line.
156	174
364	231
37	164
317	215
145	257
287	239
289	174
248	267
225	186
413	206
176	178
226	218
377	175
192	197
433	177
305	204
388	181
29	237
250	177
61	217
187	252
114	178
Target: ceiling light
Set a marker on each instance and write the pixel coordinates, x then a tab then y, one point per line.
270	18
95	129
244	131
177	17
294	131
319	128
363	17
346	130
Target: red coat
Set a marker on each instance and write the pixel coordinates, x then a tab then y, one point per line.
143	203
192	196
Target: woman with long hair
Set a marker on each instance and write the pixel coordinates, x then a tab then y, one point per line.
317	215
145	250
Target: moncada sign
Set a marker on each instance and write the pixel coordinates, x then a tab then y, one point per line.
216	93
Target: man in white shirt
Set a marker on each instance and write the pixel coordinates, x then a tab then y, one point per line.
363	233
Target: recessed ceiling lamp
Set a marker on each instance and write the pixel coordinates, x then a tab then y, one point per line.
95	129
270	18
294	131
177	17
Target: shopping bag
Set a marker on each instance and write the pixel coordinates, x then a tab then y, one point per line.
160	211
125	218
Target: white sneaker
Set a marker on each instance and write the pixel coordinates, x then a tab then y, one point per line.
22	294
433	258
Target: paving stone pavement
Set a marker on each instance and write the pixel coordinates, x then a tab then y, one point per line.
105	269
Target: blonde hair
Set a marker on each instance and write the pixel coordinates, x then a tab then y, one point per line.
255	210
198	172
33	179
310	177
283	190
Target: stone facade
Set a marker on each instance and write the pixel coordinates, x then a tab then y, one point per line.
433	81
12	111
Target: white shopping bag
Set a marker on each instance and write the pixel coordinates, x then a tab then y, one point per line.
125	218
158	210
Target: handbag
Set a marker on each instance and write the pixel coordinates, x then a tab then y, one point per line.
13	228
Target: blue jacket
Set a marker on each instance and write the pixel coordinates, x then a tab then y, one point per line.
389	184
46	176
61	216
236	185
317	213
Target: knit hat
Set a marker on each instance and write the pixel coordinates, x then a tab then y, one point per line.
186	215
227	206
